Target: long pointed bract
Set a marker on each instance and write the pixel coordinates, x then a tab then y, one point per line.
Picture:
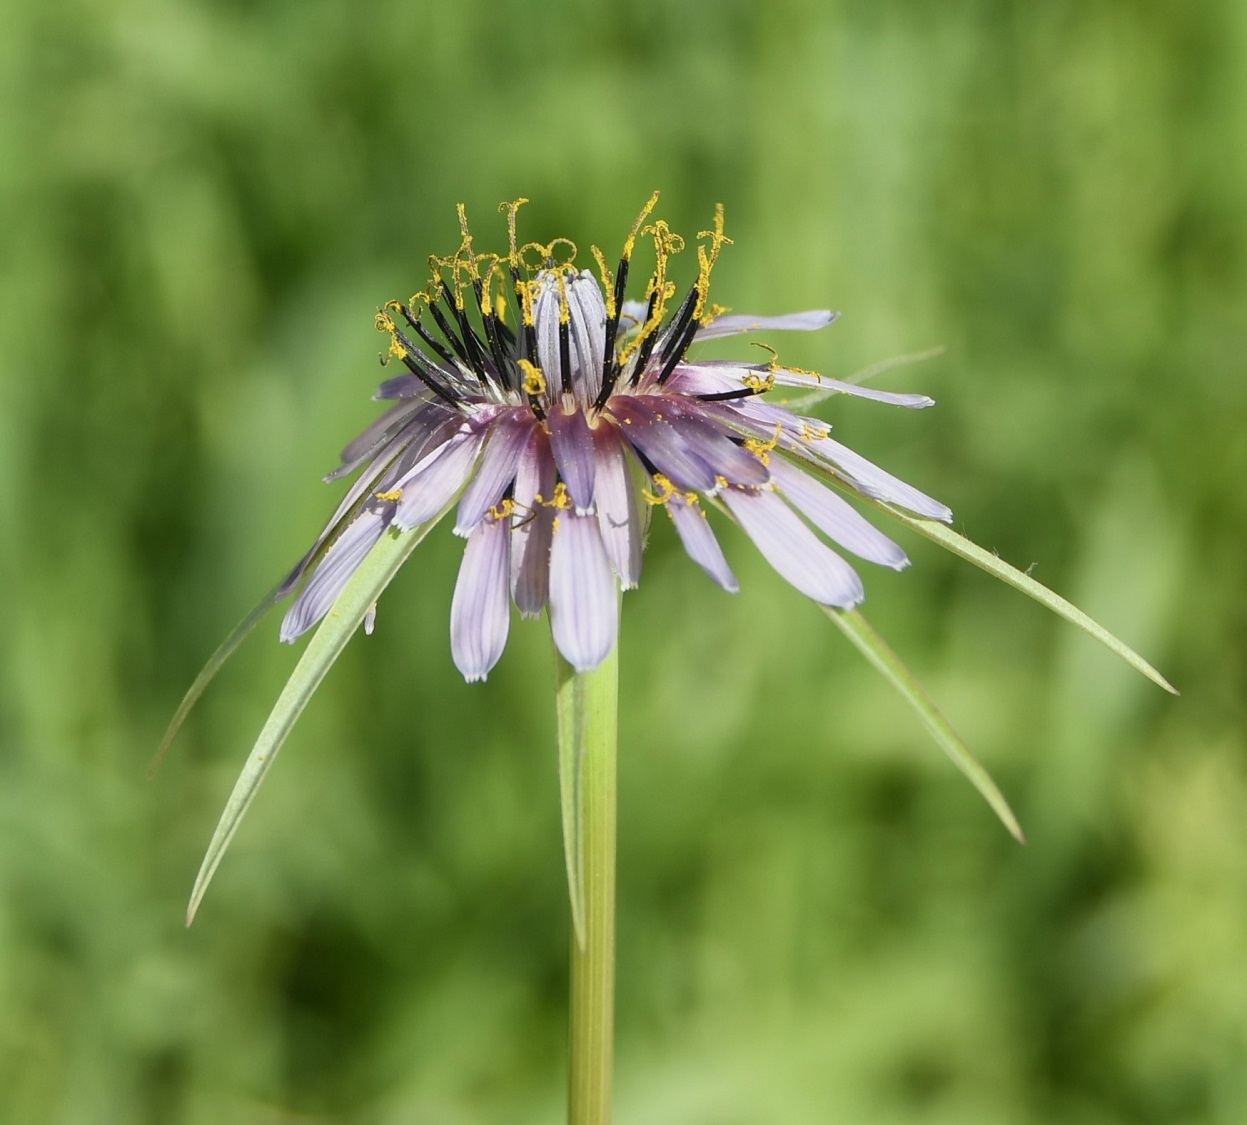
996	566
875	649
361	593
216	661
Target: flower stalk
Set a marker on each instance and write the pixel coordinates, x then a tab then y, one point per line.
588	706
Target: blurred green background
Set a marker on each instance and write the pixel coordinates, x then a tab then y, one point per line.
202	205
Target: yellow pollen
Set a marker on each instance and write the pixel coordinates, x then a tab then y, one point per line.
560	500
630	242
608	282
502	511
395	495
666	491
712	314
513	258
534	380
762	449
706	258
759	384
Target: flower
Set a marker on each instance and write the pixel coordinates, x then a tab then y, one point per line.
557	436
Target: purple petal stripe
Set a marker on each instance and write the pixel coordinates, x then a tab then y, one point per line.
661	444
571	442
507	438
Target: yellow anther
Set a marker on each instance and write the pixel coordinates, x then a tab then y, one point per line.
383	322
510	208
542	252
763	449
666	491
501	511
759	383
570	250
636	227
560	501
534	380
464	258
812	433
608	282
396	349
712	314
395	495
486	299
707	258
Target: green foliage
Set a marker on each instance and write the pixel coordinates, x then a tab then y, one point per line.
205	203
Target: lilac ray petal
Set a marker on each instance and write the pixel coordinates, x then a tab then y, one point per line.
507	439
705	378
661	444
584	616
732	324
405	385
632	315
532	526
405	420
787	378
758	419
835	517
373	476
431	485
588	335
571	442
619	515
709	441
800	557
699	541
480	612
317	597
872	481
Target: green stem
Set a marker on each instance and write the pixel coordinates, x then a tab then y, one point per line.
588	727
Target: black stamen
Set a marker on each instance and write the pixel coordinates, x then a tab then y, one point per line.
723	396
647	345
610	364
420	366
506	372
565	357
433	342
452	339
680	336
472	342
679	323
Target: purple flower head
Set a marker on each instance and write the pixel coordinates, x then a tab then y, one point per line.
558	413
